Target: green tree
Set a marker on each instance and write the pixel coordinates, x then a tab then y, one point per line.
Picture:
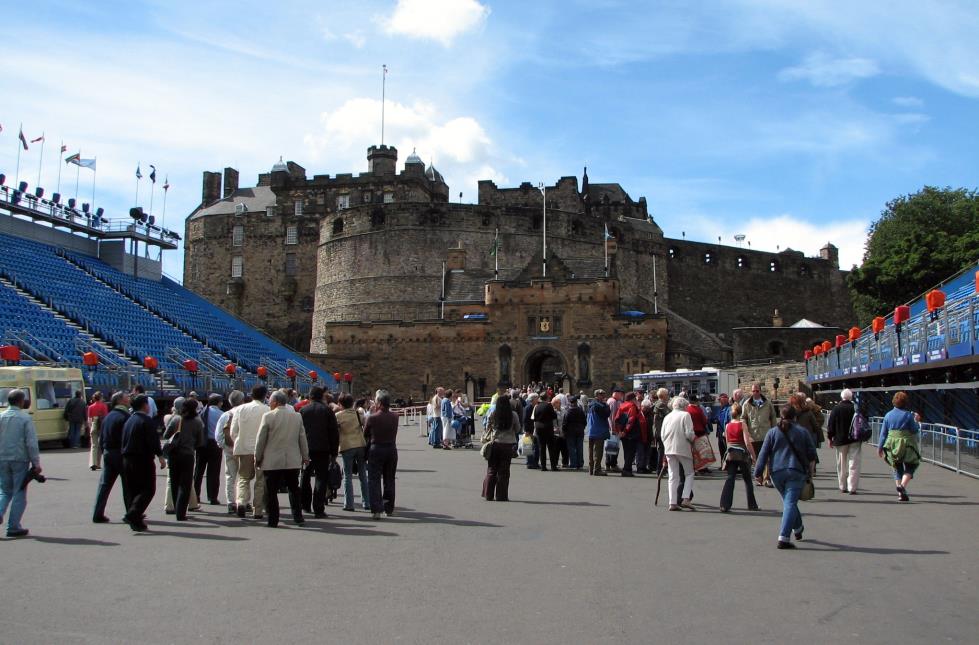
919	240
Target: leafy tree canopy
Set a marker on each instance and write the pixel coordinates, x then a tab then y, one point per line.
919	240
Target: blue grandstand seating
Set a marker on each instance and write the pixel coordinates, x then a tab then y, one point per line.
140	317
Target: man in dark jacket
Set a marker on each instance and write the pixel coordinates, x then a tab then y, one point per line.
140	444
847	450
208	457
574	432
110	439
76	414
544	418
323	438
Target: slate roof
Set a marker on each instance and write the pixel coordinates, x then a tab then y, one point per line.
255	200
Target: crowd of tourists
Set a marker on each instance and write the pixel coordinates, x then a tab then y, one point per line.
656	432
265	443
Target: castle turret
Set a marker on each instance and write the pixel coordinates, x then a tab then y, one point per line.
382	160
831	253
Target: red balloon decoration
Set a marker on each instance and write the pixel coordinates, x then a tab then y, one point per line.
150	363
91	359
190	365
291	372
230	369
262	371
313	375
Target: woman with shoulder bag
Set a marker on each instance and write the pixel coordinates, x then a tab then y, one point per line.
194	504
790	451
353	451
502	434
737	460
187	432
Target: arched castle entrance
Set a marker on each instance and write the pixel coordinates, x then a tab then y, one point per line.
544	365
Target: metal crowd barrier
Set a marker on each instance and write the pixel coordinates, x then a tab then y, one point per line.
943	445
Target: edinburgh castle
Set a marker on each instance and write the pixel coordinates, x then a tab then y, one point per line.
378	274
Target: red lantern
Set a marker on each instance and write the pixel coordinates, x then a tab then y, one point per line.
336	376
230	369
840	340
808	354
10	353
935	299
855	334
190	365
817	350
827	345
348	377
313	375
262	371
878	324
901	314
91	359
291	372
150	363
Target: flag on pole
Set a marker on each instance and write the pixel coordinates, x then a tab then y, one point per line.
23	139
64	148
608	236
1	127
166	184
496	243
153	173
78	161
38	140
139	175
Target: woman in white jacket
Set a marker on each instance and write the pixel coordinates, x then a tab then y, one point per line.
678	438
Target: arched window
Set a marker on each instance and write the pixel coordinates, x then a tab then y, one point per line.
584	365
377	218
338	226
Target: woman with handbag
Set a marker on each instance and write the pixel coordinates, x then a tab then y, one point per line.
678	436
738	455
498	441
353	451
168	507
789	450
185	433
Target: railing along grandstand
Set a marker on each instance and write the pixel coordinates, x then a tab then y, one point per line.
943	445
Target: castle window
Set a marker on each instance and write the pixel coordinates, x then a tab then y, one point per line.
292	235
742	262
307	303
343	202
237	235
298	208
237	266
776	348
377	218
707	258
292	266
535	222
673	252
366	197
338	226
270	211
804	271
389	198
576	227
773	266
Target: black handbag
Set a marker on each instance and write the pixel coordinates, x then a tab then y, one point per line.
808	489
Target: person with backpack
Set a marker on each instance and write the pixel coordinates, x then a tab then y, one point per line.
844	420
787	452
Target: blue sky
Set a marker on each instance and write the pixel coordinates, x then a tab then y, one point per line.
791	122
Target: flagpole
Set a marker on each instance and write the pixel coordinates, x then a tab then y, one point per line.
606	250
138	177
163	218
40	161
384	78
95	169
543	190
58	189
152	190
78	170
19	144
496	254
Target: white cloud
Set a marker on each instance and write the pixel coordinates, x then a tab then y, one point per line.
787	231
459	146
911	102
824	71
440	20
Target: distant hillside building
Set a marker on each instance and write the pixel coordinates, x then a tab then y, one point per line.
387	279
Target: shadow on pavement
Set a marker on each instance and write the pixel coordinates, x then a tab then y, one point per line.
190	534
876	550
893	501
435	518
72	541
415	470
546	503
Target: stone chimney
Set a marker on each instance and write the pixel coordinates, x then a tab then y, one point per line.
230	181
211	191
456	258
831	253
777	319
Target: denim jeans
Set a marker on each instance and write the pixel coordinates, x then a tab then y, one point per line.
435	431
575	457
12	474
382	467
350	457
789	484
74	434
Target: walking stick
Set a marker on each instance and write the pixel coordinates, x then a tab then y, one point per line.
662	469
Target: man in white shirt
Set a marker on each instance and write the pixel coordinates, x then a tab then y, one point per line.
222	435
244	433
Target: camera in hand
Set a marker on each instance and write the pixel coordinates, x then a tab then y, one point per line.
33	475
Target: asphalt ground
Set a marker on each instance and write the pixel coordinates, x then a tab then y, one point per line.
570	559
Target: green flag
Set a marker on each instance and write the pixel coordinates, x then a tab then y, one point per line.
496	243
